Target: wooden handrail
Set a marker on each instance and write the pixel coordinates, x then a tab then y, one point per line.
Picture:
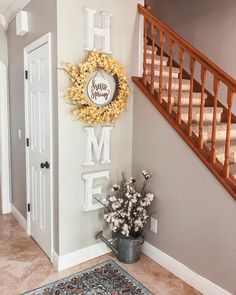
196	54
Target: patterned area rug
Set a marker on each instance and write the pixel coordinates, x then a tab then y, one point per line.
107	278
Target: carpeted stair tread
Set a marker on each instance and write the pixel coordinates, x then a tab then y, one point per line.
149	49
220	151
232	169
196	110
165	71
184	95
207	115
175	83
157	59
220	132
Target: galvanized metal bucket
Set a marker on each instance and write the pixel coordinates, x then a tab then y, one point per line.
129	248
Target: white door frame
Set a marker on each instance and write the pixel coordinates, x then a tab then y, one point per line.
38	43
5	164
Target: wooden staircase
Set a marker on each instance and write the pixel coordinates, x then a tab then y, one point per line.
173	87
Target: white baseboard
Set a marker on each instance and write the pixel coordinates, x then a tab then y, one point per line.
82	255
200	283
18	216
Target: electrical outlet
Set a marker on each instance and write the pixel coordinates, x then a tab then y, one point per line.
154	225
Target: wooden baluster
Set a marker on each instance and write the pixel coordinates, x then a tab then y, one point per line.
213	143
190	108
162	41
172	43
230	97
203	79
153	33
145	51
181	59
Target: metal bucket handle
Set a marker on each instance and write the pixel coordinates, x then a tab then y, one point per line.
141	242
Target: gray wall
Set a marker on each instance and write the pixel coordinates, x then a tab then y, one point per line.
4	59
42	19
77	229
196	215
209	25
3	46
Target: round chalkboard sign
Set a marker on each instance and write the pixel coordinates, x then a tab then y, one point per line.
99	91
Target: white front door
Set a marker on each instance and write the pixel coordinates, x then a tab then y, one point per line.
38	130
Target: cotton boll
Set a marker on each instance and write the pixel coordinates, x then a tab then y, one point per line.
112	199
115	187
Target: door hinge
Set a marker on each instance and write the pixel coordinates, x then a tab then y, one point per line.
27	142
28	207
26	75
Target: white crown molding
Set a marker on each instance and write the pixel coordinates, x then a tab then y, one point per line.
200	283
13	9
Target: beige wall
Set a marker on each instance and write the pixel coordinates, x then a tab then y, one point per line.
42	19
77	229
196	215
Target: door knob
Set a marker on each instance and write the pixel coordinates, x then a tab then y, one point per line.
45	165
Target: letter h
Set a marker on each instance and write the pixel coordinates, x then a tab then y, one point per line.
91	31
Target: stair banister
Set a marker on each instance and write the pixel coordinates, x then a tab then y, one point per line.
200	57
167	82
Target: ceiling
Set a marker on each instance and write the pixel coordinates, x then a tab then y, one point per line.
9	9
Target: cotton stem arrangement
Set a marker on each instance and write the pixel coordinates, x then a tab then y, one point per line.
126	208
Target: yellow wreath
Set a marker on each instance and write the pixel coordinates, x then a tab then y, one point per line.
83	108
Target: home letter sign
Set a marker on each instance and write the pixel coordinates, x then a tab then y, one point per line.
100	147
91	31
91	191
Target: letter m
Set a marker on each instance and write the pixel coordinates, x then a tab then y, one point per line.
97	147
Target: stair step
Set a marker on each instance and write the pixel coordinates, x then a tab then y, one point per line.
149	49
220	132
220	151
157	60
175	83
184	97
207	116
232	169
165	71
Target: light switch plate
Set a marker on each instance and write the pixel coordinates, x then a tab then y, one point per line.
19	134
154	225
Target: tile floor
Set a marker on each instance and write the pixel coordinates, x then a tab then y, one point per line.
23	266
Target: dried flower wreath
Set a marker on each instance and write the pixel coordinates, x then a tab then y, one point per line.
83	108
